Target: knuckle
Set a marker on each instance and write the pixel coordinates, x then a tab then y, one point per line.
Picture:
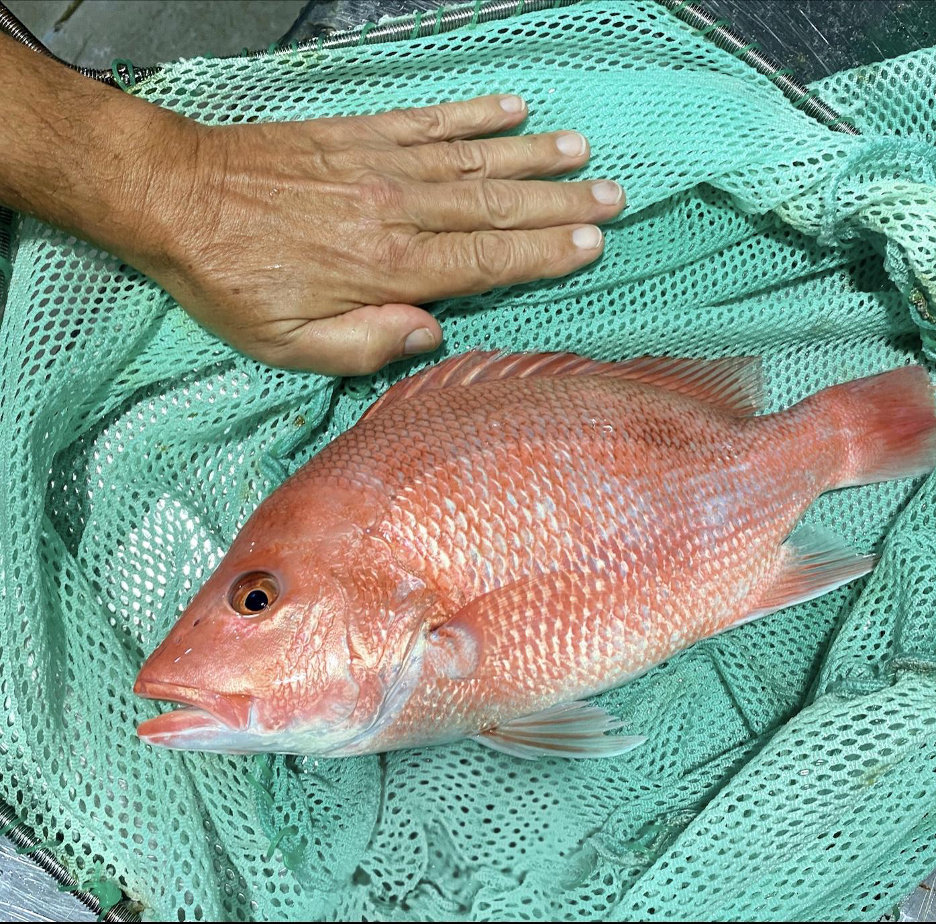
271	346
270	339
372	355
393	252
279	358
493	256
431	121
320	160
500	202
381	193
467	159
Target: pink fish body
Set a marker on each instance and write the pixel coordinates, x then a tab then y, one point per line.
501	537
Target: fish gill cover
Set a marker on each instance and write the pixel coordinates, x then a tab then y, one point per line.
790	764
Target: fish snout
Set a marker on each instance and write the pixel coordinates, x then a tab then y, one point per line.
235	711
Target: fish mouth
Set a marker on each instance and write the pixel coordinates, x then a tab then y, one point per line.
202	716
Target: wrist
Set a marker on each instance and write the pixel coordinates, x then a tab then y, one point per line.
148	180
98	163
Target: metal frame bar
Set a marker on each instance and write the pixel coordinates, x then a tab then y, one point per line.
26	842
721	34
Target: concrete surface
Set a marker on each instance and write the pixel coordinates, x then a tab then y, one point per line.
921	905
820	37
94	32
28	894
39	15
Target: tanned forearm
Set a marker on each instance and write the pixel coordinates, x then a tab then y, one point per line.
84	156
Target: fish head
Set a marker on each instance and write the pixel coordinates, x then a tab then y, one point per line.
307	644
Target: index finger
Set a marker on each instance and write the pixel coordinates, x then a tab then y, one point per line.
482	115
456	263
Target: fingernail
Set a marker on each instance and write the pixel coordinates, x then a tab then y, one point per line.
572	144
607	193
419	341
588	237
512	104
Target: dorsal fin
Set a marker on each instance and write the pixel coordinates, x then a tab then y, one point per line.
734	384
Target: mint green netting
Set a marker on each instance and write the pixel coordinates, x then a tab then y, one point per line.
791	764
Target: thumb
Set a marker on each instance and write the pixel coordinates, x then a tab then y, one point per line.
362	340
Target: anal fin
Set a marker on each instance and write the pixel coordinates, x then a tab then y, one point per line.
574	730
815	561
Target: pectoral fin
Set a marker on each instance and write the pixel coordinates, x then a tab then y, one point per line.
573	730
815	561
483	636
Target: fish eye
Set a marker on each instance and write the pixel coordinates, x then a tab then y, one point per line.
253	593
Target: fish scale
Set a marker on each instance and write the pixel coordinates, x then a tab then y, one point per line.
545	418
501	537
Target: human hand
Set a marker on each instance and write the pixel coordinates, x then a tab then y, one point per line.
309	244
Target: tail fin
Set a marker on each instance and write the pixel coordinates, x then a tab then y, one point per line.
893	422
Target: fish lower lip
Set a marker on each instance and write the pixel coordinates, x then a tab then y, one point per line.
176	728
232	710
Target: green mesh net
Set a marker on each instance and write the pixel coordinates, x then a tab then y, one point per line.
789	771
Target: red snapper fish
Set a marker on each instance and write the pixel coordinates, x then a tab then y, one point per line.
501	536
